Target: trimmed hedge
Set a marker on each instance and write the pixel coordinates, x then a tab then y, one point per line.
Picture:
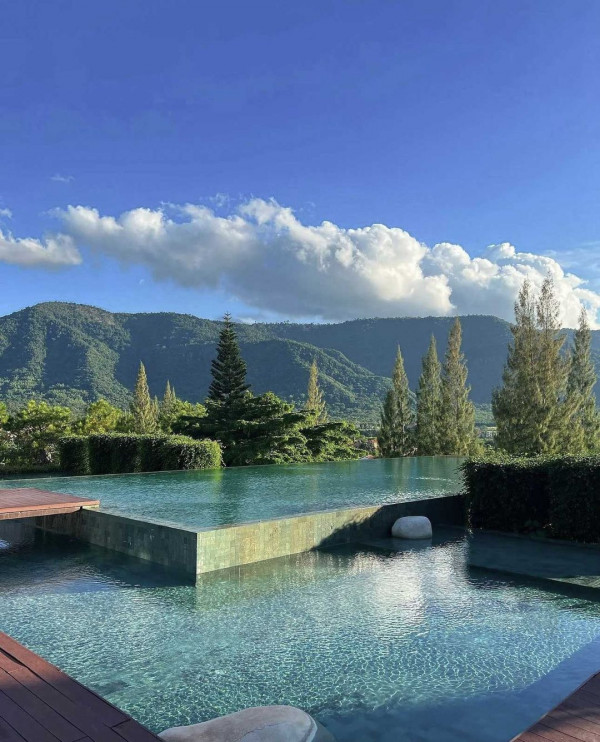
125	453
560	496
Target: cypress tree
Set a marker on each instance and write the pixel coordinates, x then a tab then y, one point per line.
429	404
228	369
143	410
395	436
457	432
583	430
315	404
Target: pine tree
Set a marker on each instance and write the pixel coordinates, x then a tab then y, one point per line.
529	409
143	409
167	408
315	404
395	436
583	430
228	369
429	404
458	435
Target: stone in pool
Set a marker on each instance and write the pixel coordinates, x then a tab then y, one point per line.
259	724
412	526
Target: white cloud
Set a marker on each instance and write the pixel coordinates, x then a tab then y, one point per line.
56	251
263	255
58	178
5	214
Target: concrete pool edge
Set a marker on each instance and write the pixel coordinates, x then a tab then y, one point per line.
196	552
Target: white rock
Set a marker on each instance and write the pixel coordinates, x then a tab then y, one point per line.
412	526
259	724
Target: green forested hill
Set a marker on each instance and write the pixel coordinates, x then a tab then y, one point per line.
72	354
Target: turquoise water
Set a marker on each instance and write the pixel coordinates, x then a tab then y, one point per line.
380	646
204	499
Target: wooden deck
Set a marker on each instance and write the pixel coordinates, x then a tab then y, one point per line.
30	503
576	719
39	703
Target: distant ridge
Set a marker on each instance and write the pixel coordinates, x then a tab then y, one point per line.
74	353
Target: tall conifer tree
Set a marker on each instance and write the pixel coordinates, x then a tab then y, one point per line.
228	369
457	432
315	404
429	404
143	409
583	431
395	437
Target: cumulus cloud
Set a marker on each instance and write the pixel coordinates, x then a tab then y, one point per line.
56	251
58	178
265	256
5	214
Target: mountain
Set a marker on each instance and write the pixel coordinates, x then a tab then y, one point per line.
73	354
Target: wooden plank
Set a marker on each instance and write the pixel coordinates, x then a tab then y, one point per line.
576	719
29	501
38	709
40	703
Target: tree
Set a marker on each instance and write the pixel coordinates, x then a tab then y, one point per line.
429	403
228	369
36	429
143	409
529	408
167	407
332	441
315	404
100	417
457	433
395	436
583	430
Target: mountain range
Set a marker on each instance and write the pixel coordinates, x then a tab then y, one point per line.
73	354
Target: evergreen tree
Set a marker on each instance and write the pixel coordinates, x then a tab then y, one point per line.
429	404
143	409
457	433
583	430
167	408
315	404
530	410
395	436
228	369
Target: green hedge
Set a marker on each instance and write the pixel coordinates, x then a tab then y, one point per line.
121	453
560	496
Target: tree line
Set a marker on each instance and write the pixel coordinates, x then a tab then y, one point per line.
545	406
251	428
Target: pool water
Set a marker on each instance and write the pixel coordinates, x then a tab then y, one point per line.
378	645
205	499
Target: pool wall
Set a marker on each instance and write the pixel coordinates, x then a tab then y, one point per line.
206	550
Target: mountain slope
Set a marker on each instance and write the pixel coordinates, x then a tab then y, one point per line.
73	354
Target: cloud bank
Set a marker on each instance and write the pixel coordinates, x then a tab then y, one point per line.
266	257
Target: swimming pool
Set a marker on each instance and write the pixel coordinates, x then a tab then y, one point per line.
378	645
206	499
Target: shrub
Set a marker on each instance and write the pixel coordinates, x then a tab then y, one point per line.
560	495
73	453
507	494
122	453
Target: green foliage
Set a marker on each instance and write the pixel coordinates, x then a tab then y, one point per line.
429	404
315	404
228	369
73	454
582	434
506	494
118	453
3	414
143	409
100	417
559	496
457	434
529	409
332	441
35	430
395	437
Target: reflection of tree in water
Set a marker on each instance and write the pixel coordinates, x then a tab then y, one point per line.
229	493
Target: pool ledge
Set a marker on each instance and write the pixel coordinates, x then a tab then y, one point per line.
196	552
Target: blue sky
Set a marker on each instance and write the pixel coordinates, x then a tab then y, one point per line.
472	123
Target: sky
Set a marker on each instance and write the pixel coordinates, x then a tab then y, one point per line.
311	160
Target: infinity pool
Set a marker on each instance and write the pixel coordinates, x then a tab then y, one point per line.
204	499
378	645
